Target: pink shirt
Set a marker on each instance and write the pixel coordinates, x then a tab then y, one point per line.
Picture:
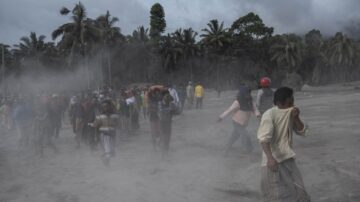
241	117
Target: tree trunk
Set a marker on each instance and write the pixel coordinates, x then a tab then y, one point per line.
3	69
109	67
316	75
87	72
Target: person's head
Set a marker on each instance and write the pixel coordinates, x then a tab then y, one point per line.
166	97
168	85
284	97
244	98
154	94
107	107
265	82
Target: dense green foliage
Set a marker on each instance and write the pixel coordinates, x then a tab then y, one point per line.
157	21
218	56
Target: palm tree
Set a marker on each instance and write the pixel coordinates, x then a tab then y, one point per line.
287	51
31	46
51	56
170	53
110	35
315	61
138	48
185	41
5	57
78	36
341	52
140	35
216	40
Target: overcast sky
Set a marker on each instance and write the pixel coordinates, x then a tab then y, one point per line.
19	17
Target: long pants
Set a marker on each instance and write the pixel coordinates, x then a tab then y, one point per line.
182	101
108	142
199	102
79	128
190	102
43	136
239	132
145	111
165	136
90	136
155	132
283	185
73	124
55	129
24	133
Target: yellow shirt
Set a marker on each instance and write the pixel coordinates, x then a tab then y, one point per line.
276	127
199	91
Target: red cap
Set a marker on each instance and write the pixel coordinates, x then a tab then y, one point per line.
265	82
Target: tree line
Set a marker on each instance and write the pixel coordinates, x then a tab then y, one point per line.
218	56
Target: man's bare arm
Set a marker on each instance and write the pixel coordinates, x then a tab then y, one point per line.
271	162
298	124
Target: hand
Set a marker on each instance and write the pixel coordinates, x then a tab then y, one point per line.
219	120
295	112
272	164
258	116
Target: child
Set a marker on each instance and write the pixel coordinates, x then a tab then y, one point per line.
106	123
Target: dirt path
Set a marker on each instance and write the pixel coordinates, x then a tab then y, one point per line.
197	170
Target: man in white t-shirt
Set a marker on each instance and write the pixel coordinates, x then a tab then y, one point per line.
281	179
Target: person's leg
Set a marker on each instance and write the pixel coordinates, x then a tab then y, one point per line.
112	144
182	105
245	139
155	132
79	131
201	102
297	181
26	133
49	135
165	137
136	120
19	131
91	135
57	128
269	184
42	133
234	136
73	124
106	142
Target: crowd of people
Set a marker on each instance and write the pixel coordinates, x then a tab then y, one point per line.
100	117
96	117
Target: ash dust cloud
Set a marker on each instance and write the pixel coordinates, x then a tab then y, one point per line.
174	102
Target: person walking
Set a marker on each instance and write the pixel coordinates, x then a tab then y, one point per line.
166	108
182	97
242	108
264	98
154	96
106	123
190	95
280	177
23	115
199	95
